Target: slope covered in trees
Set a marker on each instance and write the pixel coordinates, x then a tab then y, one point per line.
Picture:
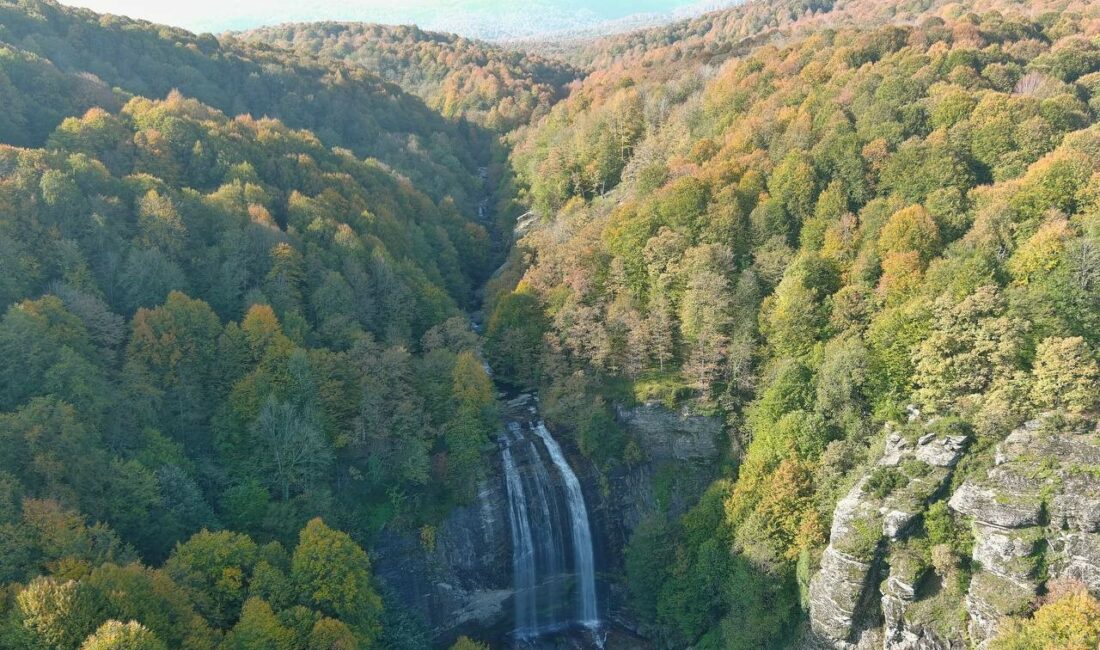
497	88
218	331
804	241
59	61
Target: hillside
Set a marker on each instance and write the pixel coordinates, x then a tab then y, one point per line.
87	59
809	238
220	327
460	78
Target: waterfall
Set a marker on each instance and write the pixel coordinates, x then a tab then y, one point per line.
551	535
523	548
583	557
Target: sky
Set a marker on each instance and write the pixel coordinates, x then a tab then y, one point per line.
493	19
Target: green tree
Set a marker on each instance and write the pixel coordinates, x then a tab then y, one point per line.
1067	375
466	643
333	574
293	452
647	558
469	430
55	614
176	344
258	627
910	230
973	342
216	568
514	338
114	635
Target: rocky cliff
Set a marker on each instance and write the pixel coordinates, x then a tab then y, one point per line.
460	578
1030	506
679	447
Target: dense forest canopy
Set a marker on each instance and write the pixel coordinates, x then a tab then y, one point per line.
497	88
217	323
843	220
237	273
60	62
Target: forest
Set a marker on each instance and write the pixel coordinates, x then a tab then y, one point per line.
264	297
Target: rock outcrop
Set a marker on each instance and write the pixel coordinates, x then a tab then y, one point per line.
846	605
1039	506
1034	516
680	449
665	434
462	577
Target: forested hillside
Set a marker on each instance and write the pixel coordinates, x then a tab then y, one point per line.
223	324
834	227
60	61
496	88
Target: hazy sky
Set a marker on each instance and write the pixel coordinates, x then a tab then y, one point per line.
484	18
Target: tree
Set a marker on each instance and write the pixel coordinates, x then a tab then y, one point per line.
258	627
48	348
176	344
647	558
161	225
1069	619
466	643
514	338
1067	375
216	567
55	454
469	429
148	276
333	574
55	614
150	597
391	428
331	634
293	451
283	284
182	510
114	635
972	343
910	230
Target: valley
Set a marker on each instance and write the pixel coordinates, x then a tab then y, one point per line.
771	327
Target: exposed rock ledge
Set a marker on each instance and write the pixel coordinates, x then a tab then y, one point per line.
665	434
845	602
1035	515
464	579
1039	504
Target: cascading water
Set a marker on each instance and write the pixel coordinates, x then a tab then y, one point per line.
552	555
583	558
523	547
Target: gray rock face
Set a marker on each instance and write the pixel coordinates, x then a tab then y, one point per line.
844	594
1046	466
836	593
680	450
670	435
465	579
